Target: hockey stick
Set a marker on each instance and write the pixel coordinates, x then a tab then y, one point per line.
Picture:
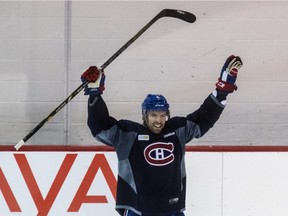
179	14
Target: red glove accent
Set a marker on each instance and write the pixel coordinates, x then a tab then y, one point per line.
226	87
91	75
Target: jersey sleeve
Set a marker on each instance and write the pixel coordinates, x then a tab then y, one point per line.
98	115
207	115
107	129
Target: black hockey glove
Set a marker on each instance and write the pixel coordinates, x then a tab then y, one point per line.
228	75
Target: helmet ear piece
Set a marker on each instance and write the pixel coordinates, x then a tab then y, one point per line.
168	114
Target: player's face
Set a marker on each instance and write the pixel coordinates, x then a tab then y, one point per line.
155	121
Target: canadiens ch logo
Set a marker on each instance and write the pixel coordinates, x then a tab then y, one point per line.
159	154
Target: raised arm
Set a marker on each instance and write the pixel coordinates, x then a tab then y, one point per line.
98	115
211	109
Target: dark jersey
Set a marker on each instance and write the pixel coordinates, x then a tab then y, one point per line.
151	169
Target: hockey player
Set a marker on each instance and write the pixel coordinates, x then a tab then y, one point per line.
151	166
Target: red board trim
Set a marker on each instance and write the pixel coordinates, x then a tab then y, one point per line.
212	148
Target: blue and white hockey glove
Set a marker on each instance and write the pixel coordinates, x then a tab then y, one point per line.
228	75
95	79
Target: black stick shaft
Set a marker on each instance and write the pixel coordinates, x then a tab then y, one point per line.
76	91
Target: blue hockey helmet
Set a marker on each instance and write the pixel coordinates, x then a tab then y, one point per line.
155	102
